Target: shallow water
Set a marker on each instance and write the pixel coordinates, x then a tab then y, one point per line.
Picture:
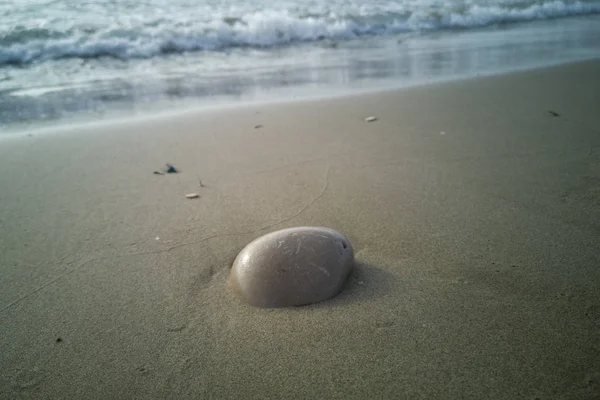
65	60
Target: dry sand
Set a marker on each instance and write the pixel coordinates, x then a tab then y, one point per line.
478	248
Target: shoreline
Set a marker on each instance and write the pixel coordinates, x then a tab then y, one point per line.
196	109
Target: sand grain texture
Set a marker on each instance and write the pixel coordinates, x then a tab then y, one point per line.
477	250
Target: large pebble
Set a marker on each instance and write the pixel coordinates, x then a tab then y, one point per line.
292	267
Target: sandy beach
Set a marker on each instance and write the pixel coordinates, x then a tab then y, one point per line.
474	213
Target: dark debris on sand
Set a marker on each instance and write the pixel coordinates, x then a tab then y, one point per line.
171	169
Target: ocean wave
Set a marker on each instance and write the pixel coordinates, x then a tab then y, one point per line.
260	29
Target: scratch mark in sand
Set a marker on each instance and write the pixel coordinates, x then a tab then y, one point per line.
165	250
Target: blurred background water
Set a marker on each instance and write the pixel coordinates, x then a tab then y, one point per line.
65	60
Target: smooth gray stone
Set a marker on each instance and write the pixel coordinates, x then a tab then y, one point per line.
292	267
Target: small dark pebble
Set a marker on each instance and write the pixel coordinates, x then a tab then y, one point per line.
258	126
171	169
59	340
177	328
157	173
553	113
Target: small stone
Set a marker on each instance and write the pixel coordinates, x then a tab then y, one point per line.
157	173
171	169
192	195
371	119
258	126
59	340
292	267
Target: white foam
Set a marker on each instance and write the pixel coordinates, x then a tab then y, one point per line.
145	38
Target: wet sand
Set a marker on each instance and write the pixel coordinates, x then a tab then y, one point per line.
473	211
